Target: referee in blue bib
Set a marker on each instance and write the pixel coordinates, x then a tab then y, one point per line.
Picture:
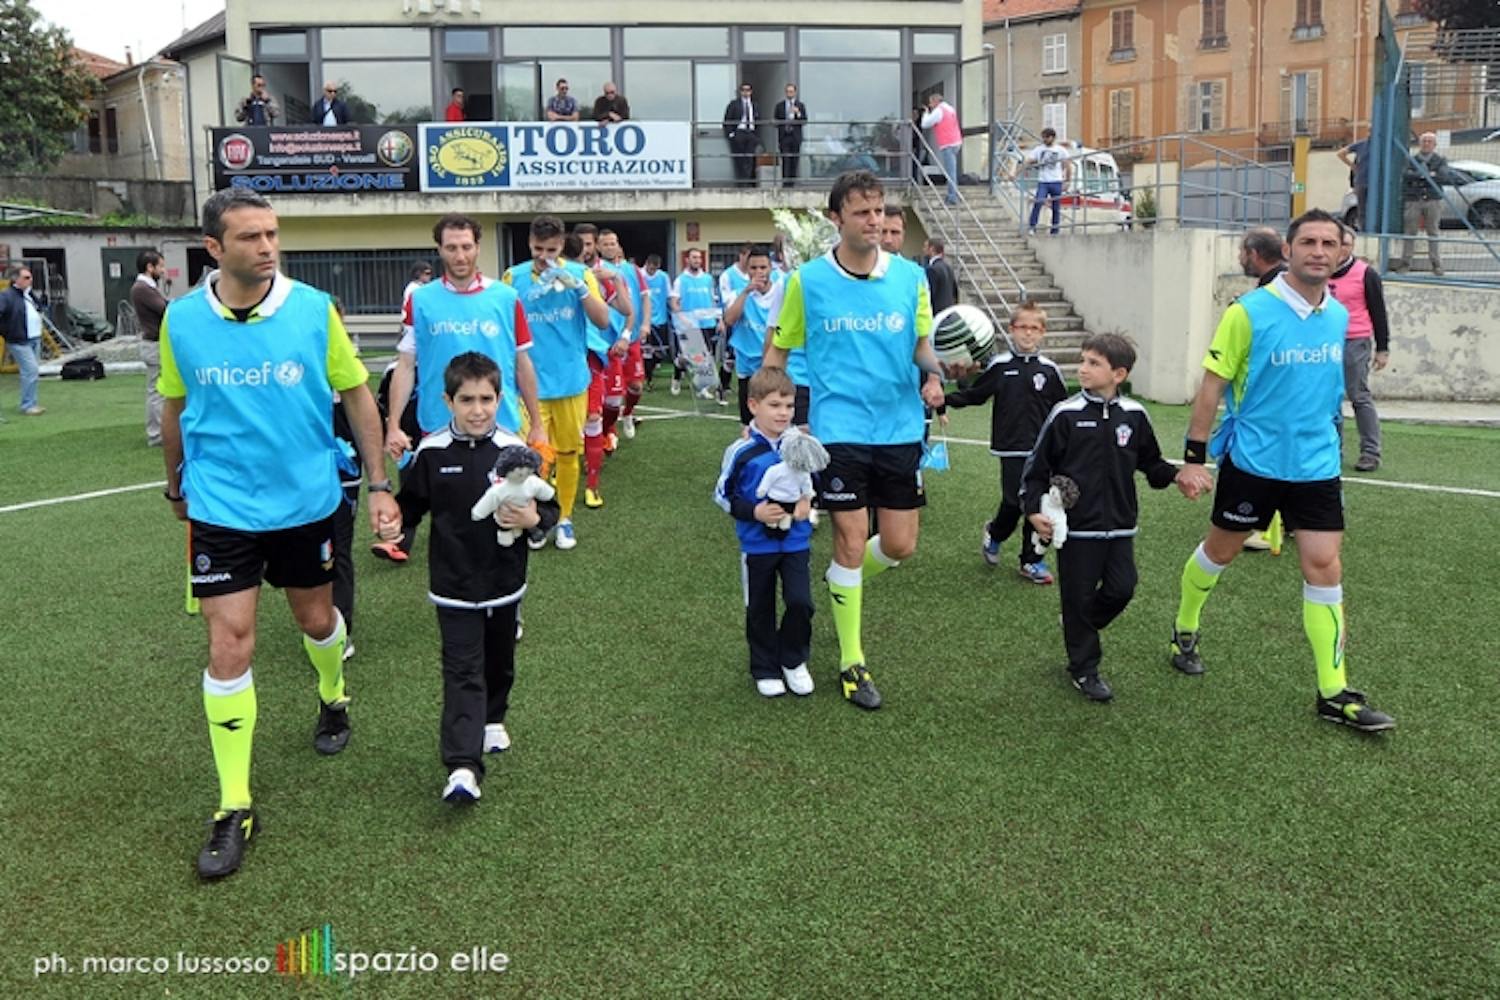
249	365
863	316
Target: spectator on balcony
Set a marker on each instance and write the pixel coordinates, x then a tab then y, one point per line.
947	137
562	106
1422	194
1054	172
791	117
611	106
329	109
260	108
740	118
455	109
1356	156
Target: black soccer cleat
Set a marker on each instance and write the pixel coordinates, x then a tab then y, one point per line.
1185	652
225	849
1348	708
858	687
332	731
1094	687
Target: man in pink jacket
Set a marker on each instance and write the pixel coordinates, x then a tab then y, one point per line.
1367	343
947	137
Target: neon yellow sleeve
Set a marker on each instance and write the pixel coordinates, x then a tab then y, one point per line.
592	283
507	278
345	370
1229	354
791	324
169	383
924	309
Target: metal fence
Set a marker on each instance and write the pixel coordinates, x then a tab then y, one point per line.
365	282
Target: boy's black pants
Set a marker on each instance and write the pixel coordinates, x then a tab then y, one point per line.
1004	521
1096	579
343	555
773	647
479	667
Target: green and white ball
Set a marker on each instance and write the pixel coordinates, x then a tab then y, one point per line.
963	335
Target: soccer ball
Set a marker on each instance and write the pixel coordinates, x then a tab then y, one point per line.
963	336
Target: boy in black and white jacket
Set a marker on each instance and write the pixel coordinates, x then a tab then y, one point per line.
476	583
1099	439
1024	385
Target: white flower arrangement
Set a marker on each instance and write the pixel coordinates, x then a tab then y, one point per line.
808	235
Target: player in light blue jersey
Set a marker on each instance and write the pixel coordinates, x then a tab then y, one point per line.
863	316
747	315
695	297
462	311
662	344
1276	361
250	362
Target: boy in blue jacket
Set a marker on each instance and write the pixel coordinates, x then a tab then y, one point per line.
778	655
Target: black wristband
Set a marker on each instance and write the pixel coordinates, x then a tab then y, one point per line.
379	486
1195	452
170	498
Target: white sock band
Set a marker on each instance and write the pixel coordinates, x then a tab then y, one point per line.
879	554
843	575
333	637
225	688
1206	564
1323	595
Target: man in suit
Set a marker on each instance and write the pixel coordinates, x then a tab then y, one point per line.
942	286
791	115
329	109
740	117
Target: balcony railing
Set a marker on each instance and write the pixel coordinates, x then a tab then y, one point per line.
1322	131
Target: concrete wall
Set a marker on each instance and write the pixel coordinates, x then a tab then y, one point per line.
167	201
85	267
1166	289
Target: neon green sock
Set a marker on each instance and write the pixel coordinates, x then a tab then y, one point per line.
846	592
1199	577
876	561
1323	621
230	708
327	656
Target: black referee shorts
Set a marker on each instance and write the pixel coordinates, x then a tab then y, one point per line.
872	475
1244	501
227	560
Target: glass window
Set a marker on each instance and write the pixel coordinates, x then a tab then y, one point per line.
859	44
370	43
926	43
658	89
466	42
681	41
556	41
856	121
763	43
519	101
271	44
384	93
586	80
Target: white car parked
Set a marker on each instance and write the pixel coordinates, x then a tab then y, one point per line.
1475	196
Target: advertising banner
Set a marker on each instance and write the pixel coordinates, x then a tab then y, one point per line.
556	156
340	159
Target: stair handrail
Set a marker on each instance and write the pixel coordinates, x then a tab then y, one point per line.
950	227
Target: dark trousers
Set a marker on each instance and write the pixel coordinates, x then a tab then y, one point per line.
1003	524
1096	579
790	158
343	555
773	647
479	667
742	147
663	345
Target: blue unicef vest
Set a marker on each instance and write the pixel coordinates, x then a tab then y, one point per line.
633	283
861	336
661	290
698	298
748	338
446	324
257	435
1285	425
559	333
616	318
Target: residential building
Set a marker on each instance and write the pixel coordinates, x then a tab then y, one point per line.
137	122
1039	54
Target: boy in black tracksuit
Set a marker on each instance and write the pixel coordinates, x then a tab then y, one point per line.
475	582
1025	385
1099	440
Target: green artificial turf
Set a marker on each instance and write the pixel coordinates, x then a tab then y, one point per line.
660	830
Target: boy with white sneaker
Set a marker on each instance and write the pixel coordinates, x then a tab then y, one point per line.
475	582
778	655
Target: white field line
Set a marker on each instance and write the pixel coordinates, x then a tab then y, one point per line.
657	414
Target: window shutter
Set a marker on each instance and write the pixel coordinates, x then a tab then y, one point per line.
1217	106
1314	99
1286	99
1187	117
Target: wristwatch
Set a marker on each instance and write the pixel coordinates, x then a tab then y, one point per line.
379	486
170	498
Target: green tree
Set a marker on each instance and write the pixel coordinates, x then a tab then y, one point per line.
42	89
1460	14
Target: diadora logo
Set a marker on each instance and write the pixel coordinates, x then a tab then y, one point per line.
891	322
1326	354
284	373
